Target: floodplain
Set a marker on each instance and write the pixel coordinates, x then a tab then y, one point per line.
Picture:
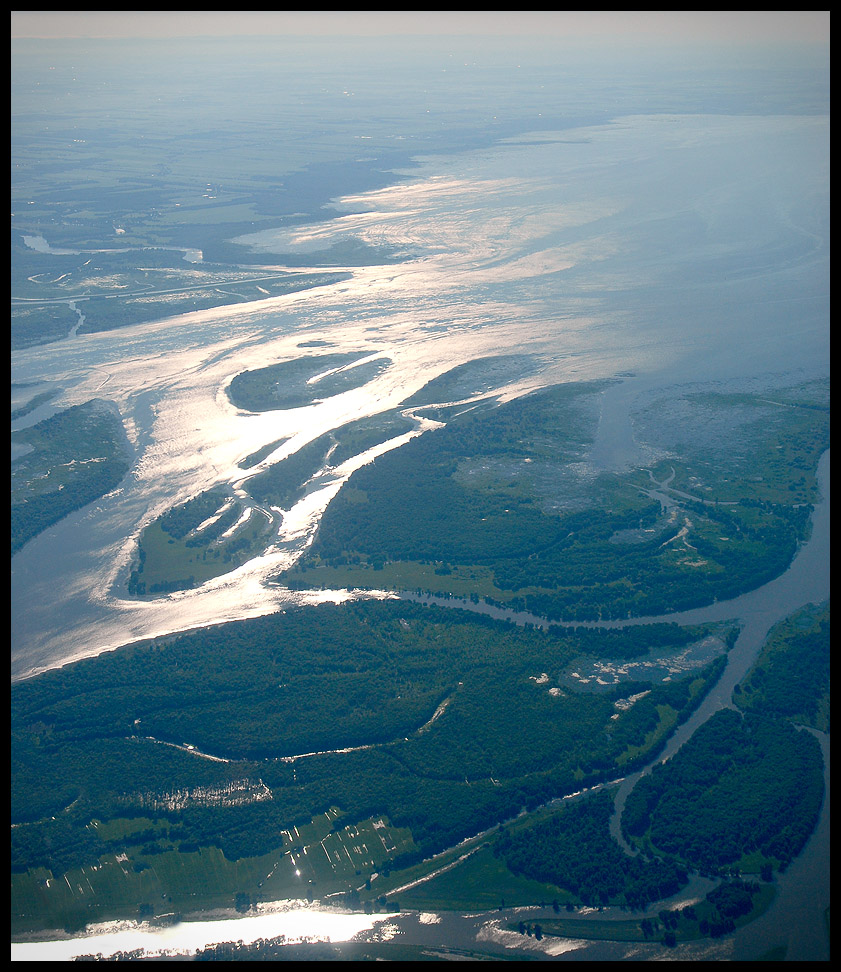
551	341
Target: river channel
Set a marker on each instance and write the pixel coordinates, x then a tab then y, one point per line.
797	917
795	920
531	246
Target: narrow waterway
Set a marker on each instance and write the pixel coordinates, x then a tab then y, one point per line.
797	920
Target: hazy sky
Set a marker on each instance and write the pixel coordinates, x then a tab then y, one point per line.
705	25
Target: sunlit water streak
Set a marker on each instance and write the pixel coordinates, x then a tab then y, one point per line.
296	921
641	246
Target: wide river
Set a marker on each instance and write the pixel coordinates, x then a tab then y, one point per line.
679	249
796	919
643	246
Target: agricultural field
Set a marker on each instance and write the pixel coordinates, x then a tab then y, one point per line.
168	879
230	741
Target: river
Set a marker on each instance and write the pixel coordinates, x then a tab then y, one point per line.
545	247
796	919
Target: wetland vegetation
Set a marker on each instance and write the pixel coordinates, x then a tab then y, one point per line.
102	290
501	503
384	754
209	535
430	725
394	730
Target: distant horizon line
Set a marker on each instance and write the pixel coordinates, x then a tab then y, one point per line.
695	27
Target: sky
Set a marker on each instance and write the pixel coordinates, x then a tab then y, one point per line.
769	26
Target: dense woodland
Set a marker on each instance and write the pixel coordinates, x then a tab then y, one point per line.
492	489
357	437
575	851
742	784
283	483
790	678
317	679
77	456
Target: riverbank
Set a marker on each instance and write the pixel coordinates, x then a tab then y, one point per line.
758	611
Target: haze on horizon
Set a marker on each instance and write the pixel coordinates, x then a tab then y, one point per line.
693	26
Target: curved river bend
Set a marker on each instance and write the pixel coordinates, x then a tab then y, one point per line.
796	918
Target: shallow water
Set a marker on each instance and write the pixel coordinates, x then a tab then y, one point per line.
600	251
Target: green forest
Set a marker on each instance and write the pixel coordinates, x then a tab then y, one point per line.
303	752
790	678
744	784
76	456
431	716
574	850
492	491
746	790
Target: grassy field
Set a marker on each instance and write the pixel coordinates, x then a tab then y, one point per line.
174	564
477	881
405	575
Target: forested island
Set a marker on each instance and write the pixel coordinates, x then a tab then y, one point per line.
74	457
208	535
302	381
744	787
392	731
494	504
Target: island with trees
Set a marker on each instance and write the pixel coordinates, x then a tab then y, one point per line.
72	458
